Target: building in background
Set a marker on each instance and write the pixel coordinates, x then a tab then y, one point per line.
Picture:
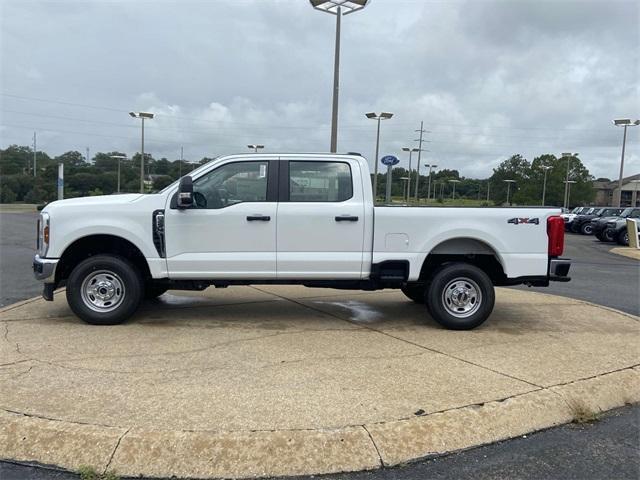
606	192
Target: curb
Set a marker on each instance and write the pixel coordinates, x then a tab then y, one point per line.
627	252
159	453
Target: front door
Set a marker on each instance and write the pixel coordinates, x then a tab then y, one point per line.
320	220
230	232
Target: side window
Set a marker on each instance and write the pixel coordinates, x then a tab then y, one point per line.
230	184
320	182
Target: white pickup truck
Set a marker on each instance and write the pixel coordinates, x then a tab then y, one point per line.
305	219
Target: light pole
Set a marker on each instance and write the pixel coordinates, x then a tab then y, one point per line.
509	182
255	147
410	150
119	157
406	184
544	183
568	187
634	198
430	167
568	156
623	122
373	116
420	150
453	194
337	8
488	189
142	116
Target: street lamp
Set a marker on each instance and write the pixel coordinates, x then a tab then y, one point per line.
337	8
453	194
255	148
430	167
544	183
373	116
623	122
566	185
119	157
410	150
406	184
509	182
142	116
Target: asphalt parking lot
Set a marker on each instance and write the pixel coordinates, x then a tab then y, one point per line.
606	449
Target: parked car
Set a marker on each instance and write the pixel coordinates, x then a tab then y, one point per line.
617	229
601	228
290	219
582	223
569	217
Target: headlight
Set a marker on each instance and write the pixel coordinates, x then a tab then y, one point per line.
44	232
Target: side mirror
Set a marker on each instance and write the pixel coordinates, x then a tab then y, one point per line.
185	192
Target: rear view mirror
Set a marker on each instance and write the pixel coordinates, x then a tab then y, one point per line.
185	192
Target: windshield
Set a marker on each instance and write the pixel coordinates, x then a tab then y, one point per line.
576	210
600	211
626	212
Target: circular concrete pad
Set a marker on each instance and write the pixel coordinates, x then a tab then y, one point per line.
278	380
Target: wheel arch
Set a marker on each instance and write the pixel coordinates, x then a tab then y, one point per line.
470	250
99	244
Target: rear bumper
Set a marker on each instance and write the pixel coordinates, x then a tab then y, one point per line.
559	269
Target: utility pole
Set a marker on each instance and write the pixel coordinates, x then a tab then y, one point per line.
544	183
34	154
88	155
180	164
488	189
420	140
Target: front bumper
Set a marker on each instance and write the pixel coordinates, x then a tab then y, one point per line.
559	269
44	269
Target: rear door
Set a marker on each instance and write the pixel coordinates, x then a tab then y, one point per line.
320	228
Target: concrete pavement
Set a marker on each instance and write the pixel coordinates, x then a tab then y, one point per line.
286	380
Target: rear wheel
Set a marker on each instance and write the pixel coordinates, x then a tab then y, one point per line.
608	235
587	229
104	290
415	291
460	296
575	227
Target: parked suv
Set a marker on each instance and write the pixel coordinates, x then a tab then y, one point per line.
603	231
582	223
617	229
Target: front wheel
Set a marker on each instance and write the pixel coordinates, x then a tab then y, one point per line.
587	229
623	237
460	296
104	290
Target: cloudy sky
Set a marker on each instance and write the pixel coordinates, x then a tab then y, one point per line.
488	78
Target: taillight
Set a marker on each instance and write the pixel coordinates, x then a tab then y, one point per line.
555	232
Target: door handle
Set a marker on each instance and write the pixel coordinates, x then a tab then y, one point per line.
346	218
258	218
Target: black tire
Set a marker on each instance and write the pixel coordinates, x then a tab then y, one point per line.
575	227
153	290
415	292
100	276
599	236
608	235
586	229
623	237
467	279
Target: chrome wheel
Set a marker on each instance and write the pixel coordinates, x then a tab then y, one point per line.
102	291
461	297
